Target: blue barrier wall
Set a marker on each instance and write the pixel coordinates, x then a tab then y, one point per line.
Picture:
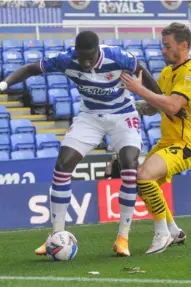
27	205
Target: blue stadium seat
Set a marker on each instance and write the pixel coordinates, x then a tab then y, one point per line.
57	81
141	123
75	108
13	45
57	93
53	44
5	142
32	56
47	153
22	141
38	96
153	54
16	88
132	43
75	95
51	54
154	135
5	126
156	76
12	57
32	45
4	114
10	68
47	141
152	121
138	53
71	84
62	108
4	155
22	154
22	126
37	89
69	43
143	63
36	82
112	42
149	43
156	65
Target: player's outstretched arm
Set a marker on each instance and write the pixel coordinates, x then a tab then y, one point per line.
147	79
143	107
20	75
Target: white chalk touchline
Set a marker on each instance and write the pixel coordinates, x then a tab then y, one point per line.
98	280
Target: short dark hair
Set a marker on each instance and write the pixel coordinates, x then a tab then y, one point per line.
87	40
180	31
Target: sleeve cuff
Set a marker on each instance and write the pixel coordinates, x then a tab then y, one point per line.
42	66
181	94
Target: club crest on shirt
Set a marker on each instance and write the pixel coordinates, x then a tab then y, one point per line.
187	82
188	77
109	76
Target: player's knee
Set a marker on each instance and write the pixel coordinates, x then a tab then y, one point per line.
67	160
61	164
129	158
133	164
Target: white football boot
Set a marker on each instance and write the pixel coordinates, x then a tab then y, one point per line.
160	243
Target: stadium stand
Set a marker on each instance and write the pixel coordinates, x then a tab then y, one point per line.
26	131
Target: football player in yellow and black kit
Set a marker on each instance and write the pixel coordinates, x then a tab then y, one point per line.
172	154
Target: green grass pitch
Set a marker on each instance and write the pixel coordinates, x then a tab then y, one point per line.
22	267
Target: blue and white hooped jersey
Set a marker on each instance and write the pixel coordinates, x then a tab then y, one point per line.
100	89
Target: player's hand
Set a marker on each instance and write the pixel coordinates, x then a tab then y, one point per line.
182	114
131	83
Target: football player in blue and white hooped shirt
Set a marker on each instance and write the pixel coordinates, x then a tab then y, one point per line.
106	108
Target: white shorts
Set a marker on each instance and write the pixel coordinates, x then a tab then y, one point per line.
88	130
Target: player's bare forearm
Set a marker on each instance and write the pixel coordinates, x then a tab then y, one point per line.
160	102
23	73
147	79
145	108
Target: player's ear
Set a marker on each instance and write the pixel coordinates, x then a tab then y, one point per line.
184	45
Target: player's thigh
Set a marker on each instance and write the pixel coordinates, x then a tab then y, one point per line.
153	168
144	168
125	131
84	134
165	163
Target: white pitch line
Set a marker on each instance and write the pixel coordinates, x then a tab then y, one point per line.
98	280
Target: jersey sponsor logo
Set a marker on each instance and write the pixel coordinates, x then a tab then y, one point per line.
79	4
96	91
171	4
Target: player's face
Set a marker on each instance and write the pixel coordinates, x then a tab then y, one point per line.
171	49
87	58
